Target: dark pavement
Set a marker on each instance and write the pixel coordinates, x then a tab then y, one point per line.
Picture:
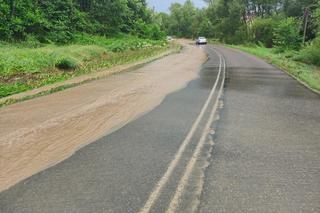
265	156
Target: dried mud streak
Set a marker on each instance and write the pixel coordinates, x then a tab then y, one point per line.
39	133
205	162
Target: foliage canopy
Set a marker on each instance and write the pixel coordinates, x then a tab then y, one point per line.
58	21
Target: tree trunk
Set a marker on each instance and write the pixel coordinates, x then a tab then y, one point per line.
11	8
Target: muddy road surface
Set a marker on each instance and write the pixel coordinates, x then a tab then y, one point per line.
39	133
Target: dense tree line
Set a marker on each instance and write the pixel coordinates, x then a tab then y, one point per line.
60	20
270	22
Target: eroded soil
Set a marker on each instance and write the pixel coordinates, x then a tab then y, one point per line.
39	133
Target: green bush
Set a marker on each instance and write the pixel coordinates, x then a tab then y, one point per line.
59	20
119	43
316	16
287	34
148	31
17	59
46	21
262	31
311	53
205	28
67	64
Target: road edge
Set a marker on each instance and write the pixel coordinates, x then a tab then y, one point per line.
77	81
276	66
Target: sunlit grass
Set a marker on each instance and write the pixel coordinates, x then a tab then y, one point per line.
14	60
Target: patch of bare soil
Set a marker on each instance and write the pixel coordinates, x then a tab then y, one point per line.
39	133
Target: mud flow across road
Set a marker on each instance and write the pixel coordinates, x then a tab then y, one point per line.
39	133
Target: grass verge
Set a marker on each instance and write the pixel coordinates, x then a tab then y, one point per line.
23	68
307	74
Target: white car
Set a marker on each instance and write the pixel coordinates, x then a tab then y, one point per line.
201	40
169	38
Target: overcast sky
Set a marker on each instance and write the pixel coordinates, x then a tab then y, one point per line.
163	5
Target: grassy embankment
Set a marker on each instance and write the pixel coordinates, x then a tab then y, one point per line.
289	61
24	68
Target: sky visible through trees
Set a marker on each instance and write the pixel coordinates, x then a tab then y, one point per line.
164	5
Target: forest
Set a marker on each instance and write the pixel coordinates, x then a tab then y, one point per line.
284	32
285	24
60	20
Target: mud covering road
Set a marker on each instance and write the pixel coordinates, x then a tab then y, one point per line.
119	172
39	133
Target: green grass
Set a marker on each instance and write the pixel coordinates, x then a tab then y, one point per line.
23	68
310	54
13	101
118	44
15	60
309	74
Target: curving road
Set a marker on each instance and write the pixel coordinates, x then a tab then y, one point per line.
243	137
266	156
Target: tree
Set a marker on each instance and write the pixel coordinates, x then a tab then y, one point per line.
228	18
182	18
20	18
59	20
316	15
287	35
262	31
162	20
295	8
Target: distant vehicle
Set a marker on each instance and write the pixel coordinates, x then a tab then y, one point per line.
169	38
201	40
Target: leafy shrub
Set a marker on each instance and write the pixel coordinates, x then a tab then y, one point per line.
67	63
19	59
47	21
119	43
32	42
311	53
57	21
316	16
287	34
148	31
205	28
262	31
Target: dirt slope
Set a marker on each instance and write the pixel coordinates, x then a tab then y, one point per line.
39	133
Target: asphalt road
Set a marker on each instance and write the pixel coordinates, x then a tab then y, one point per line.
266	156
253	148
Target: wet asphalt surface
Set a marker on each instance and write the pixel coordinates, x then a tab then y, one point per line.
265	157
